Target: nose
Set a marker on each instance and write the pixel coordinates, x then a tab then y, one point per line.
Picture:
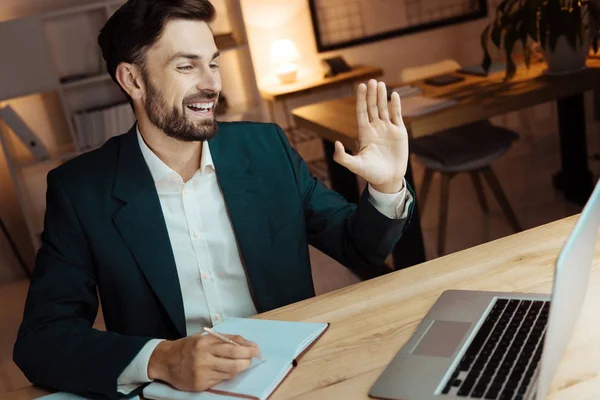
210	80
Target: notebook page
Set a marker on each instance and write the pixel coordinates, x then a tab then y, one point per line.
162	391
308	341
276	339
280	342
259	381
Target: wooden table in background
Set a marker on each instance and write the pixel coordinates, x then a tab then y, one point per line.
311	84
371	320
481	98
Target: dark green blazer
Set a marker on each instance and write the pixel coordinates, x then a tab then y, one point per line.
105	235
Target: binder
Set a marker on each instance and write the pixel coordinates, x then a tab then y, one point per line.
29	139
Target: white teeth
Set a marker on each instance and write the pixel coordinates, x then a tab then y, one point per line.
203	105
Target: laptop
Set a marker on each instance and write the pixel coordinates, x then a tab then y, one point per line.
496	345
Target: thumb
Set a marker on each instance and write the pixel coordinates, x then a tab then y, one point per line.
344	159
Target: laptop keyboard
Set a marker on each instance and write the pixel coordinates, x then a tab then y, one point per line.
505	353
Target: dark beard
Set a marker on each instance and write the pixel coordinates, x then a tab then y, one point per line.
175	124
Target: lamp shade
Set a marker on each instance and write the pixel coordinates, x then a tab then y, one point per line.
284	51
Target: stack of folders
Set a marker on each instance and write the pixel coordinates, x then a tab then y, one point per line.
418	105
415	103
96	126
282	344
406	90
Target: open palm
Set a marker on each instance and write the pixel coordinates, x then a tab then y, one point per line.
382	138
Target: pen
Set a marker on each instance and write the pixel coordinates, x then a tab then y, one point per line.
223	338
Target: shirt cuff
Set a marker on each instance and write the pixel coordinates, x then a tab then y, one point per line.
136	373
394	205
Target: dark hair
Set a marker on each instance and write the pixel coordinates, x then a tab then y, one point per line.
138	24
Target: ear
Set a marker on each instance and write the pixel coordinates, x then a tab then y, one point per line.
130	79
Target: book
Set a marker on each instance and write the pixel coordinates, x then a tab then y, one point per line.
95	126
420	105
478	70
282	344
405	91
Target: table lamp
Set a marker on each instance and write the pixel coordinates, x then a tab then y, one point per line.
285	55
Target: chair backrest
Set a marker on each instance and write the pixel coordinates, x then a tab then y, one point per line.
428	70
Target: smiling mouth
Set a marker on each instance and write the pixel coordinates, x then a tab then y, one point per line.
202	107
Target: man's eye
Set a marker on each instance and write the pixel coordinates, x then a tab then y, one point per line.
214	66
185	68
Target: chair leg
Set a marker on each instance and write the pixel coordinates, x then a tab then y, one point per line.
479	191
425	185
444	200
13	246
492	180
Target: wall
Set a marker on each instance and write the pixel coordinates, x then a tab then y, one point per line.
42	107
269	20
44	116
42	113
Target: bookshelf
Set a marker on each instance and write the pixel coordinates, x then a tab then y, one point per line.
57	58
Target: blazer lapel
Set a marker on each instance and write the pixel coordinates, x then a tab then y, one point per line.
142	225
243	196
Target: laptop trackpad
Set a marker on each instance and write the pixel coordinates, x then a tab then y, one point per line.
442	338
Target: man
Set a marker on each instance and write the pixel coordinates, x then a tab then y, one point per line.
182	222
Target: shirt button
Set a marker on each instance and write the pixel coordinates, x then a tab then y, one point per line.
217	317
205	276
196	235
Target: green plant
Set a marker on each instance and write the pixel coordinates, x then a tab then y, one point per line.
542	21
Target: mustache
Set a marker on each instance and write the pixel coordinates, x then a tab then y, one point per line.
204	95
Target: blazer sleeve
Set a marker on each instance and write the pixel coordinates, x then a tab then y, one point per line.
56	345
357	236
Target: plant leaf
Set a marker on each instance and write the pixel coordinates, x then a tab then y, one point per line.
528	53
487	60
543	30
497	35
509	42
594	12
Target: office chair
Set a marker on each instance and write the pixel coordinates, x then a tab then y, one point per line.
470	148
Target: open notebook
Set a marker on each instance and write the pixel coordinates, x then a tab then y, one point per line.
281	343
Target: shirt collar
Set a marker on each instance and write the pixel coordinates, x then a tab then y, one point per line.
159	170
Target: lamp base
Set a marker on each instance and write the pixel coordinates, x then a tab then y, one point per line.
287	77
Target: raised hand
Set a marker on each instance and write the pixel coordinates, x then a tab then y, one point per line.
382	137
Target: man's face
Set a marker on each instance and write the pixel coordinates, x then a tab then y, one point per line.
181	74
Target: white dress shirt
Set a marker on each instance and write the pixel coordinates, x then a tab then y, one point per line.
213	282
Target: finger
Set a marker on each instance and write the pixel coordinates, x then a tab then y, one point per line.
229	366
361	105
382	103
341	157
372	109
397	110
241	340
226	350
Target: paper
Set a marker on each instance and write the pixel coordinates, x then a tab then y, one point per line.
421	105
71	396
280	343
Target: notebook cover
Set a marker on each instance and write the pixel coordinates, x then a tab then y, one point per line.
294	364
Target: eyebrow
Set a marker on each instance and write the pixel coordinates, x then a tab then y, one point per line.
191	56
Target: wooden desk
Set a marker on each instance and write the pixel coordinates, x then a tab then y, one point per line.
371	320
481	98
273	94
